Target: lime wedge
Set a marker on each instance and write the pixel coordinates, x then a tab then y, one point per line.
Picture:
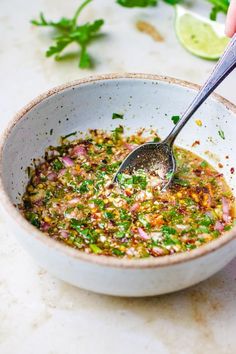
199	35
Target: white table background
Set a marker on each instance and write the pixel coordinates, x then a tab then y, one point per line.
42	315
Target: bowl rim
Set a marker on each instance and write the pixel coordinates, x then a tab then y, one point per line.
114	262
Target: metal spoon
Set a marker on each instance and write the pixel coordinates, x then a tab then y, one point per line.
158	158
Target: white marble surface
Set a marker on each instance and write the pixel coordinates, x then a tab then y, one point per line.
42	315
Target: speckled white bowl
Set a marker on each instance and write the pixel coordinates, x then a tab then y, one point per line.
146	101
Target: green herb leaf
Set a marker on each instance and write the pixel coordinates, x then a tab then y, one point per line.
137	3
117	252
168	233
219	6
140	181
109	150
29	171
214	12
221	134
167	230
120	234
173	215
181	182
228	227
124	225
33	219
109	215
68	135
117	132
95	249
206	221
78	226
202	229
203	164
57	165
175	119
143	221
67	32
124	214
172	2
84	187
135	181
117	116
99	202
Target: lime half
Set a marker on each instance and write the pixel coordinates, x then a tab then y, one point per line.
199	35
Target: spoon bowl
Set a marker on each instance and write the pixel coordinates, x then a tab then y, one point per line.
152	158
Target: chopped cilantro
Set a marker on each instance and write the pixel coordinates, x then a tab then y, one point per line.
136	181
95	249
203	229
124	225
167	230
84	187
124	214
120	234
117	116
173	2
206	220
117	252
175	119
117	132
80	206
85	232
68	135
221	134
57	165
203	164
140	181
109	150
181	182
137	3
108	215
33	219
227	227
99	202
168	233
29	171
144	221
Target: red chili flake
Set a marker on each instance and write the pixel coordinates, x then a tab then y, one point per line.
196	142
232	170
220	165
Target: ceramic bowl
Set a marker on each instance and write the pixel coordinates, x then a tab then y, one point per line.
146	101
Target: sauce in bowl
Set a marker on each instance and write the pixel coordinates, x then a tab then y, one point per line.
72	198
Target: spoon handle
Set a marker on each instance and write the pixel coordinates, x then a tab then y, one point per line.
222	69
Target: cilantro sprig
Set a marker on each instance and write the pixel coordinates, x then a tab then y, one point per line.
217	5
68	32
137	3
